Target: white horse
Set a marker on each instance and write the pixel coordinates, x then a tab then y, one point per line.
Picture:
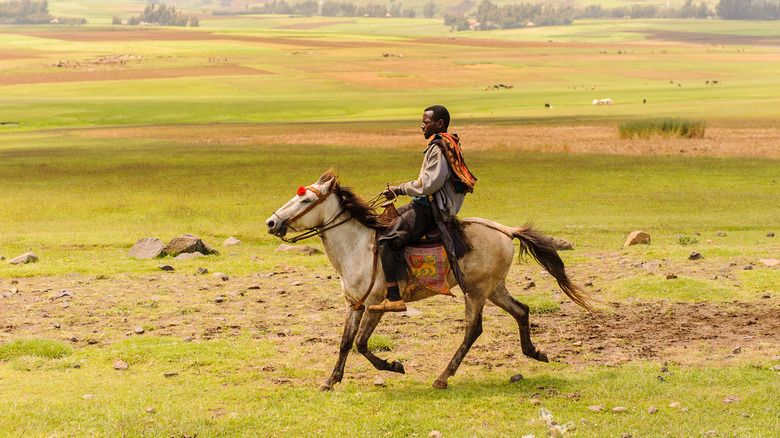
348	228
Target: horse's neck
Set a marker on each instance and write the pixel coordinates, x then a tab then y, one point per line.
349	247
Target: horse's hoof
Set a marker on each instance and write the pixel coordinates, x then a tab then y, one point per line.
398	367
439	384
541	356
326	387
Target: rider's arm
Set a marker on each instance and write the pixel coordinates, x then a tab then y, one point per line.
433	174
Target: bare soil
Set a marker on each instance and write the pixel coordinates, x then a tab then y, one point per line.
301	312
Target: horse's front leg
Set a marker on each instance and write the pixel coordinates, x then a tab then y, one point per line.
350	330
367	327
474	304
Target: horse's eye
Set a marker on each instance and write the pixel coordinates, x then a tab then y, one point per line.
306	201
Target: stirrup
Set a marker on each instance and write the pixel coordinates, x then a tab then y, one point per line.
388	306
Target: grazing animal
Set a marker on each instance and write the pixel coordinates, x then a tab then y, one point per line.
348	227
547	105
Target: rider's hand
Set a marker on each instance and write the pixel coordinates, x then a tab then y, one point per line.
392	192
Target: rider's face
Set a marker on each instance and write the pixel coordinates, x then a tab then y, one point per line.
429	126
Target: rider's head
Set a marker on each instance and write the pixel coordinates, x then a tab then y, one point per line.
436	119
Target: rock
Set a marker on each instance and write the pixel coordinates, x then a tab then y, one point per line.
638	238
380	382
139	330
770	262
203	271
220	276
675	405
188	256
516	378
187	243
535	401
147	248
169	375
731	399
411	312
219	299
120	365
435	434
529	285
770	234
671	276
651	266
151	410
652	410
166	267
625	435
254	287
61	294
748	267
695	255
619	409
232	241
577	343
561	244
720	233
596	408
303	249
23	259
88	396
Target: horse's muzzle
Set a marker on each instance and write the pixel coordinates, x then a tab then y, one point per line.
276	226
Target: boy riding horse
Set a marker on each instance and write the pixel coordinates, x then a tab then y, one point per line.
438	195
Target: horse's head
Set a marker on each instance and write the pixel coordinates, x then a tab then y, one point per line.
306	210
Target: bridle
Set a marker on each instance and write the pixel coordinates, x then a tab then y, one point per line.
315	231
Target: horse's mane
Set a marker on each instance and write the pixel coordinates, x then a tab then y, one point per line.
357	207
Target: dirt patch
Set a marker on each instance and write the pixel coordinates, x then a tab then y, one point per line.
130	74
717	142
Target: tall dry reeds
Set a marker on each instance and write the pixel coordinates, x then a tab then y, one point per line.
667	126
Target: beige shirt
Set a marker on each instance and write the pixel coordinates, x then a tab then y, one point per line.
436	180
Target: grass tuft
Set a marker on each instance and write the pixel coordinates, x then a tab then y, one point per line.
687	240
667	126
377	343
41	348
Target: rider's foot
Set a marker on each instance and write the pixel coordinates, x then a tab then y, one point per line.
388	306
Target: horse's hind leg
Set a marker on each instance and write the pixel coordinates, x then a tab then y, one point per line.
474	304
367	327
350	330
501	298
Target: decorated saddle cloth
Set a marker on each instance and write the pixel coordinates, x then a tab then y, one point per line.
428	267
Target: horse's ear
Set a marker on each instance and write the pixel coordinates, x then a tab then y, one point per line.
328	179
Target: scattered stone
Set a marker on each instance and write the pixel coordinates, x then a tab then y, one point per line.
187	243
139	330
169	375
151	410
435	434
596	408
770	262
625	435
720	233
737	350
637	238
675	405
23	259
770	234
166	267
188	256
411	312
731	399
695	255
577	343
535	401
303	249
380	382
711	433
516	378
220	276
296	283
61	294
529	285
561	244
147	248
652	410
748	267
57	325
254	287
202	271
661	378
232	241
589	283
219	299
120	365
88	396
619	409
671	276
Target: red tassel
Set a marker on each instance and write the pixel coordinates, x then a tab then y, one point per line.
301	191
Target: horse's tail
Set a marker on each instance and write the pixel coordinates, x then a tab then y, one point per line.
540	247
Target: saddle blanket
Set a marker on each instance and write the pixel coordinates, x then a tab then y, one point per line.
428	267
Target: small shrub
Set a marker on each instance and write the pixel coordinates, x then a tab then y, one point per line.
44	348
687	240
647	128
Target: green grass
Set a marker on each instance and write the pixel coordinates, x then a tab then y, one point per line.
674	127
40	348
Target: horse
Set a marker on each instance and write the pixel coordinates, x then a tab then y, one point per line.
348	227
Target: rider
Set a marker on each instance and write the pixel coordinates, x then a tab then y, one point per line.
444	180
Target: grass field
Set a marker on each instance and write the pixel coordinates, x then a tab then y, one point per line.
142	132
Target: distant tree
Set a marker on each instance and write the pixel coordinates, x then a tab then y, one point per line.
25	12
116	20
429	10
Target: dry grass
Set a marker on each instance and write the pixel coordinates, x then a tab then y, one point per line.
718	141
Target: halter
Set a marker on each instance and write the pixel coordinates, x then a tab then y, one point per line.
315	231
